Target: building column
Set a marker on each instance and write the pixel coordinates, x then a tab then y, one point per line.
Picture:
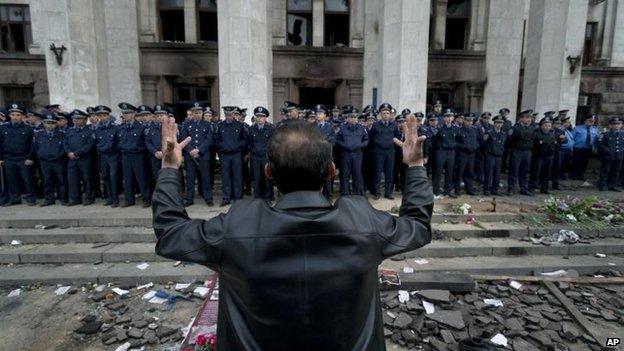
439	23
372	9
556	32
279	22
478	24
245	53
356	24
318	22
503	55
147	21
404	43
190	21
617	48
100	63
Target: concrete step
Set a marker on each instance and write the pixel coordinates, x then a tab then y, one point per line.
141	252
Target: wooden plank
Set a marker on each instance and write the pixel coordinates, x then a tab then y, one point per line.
455	282
537	279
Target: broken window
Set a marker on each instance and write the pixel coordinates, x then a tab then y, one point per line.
171	20
588	50
208	26
299	23
16	94
457	17
336	22
15	32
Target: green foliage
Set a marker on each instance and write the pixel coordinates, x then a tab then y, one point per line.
590	210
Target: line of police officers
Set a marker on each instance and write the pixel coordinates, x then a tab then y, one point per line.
72	161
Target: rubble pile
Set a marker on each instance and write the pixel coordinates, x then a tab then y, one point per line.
604	303
504	314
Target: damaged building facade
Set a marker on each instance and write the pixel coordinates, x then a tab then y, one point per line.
473	55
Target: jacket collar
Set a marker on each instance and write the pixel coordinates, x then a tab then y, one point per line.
302	199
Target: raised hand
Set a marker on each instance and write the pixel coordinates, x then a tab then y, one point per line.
413	154
171	149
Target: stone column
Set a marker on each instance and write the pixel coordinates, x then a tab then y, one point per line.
356	24
318	22
245	53
503	55
404	42
617	48
279	21
372	9
147	18
190	21
478	24
439	23
556	32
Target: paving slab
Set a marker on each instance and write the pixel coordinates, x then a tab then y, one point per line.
51	274
10	254
65	253
134	252
162	272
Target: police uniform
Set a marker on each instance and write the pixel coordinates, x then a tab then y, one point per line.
329	132
198	167
80	141
467	147
16	147
445	144
520	139
382	135
565	151
108	156
4	183
153	141
288	108
544	148
611	153
494	147
483	126
560	135
430	132
352	140
208	113
584	144
398	177
507	125
49	148
247	175
131	144
231	141
259	136
368	162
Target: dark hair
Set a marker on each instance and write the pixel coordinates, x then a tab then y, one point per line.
299	156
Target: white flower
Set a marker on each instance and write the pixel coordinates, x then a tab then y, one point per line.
571	218
465	208
609	218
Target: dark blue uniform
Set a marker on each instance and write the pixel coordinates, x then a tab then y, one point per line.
198	168
258	145
106	147
381	137
131	144
153	141
81	142
544	149
494	148
445	144
430	133
231	142
352	140
4	183
521	143
330	134
467	148
479	168
51	153
16	146
398	177
611	153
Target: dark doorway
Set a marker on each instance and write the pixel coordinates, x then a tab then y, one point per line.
308	97
185	95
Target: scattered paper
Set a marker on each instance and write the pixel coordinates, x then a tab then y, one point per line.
611	264
15	292
403	296
201	291
392	315
149	295
119	291
599	276
407	269
499	339
429	307
182	286
100	288
601	255
559	273
142	266
493	302
157	300
514	284
123	347
421	261
145	286
16	243
62	290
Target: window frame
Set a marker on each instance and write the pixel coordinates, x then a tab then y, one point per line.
343	13
467	17
301	12
160	8
198	12
26	26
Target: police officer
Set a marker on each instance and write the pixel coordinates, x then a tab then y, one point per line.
368	167
494	141
611	153
49	148
143	115
17	155
231	141
382	135
430	131
108	154
560	136
565	150
398	177
507	125
292	112
259	135
131	144
467	147
247	175
327	129
213	119
63	121
544	149
482	126
197	158
521	143
35	120
585	137
4	183
351	139
437	111
445	145
79	144
153	140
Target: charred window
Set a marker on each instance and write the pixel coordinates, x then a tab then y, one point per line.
336	22
171	20
457	17
207	13
299	23
15	32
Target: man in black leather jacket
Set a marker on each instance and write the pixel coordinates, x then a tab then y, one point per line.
301	275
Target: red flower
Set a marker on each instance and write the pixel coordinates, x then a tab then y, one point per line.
201	340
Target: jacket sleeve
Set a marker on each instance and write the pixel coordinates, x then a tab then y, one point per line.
88	146
412	229
204	147
31	153
242	140
149	145
1	144
340	140
178	236
364	140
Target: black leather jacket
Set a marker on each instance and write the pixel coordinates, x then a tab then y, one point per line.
301	275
